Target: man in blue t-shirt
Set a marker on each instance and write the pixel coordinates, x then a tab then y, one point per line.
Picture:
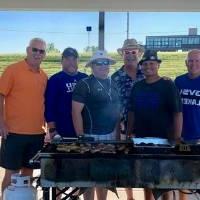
189	88
58	103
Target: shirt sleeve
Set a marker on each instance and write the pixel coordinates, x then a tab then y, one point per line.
6	81
81	91
174	99
51	96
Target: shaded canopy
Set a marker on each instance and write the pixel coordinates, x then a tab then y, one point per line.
101	5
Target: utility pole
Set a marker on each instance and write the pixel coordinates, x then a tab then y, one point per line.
101	30
127	32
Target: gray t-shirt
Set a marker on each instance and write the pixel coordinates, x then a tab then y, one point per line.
102	106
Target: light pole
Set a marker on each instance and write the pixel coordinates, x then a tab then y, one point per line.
88	29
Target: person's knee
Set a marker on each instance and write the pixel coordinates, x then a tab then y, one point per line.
8	173
7	178
89	194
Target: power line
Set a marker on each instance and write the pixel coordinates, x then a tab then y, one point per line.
95	32
35	31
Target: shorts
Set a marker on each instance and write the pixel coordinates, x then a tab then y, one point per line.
17	150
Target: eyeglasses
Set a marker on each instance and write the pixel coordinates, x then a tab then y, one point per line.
100	63
130	52
35	50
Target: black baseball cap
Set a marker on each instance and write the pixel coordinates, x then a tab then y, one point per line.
70	52
150	55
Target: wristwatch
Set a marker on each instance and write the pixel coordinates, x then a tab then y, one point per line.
51	130
81	136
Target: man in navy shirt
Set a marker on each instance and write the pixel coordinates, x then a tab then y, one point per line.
189	88
58	103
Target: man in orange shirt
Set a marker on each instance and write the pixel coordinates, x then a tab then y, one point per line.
22	87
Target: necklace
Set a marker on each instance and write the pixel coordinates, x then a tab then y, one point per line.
108	91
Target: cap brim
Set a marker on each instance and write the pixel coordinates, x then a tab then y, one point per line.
140	48
89	63
141	61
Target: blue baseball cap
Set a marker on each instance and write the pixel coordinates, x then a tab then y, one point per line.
70	52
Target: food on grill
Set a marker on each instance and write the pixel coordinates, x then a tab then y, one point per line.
104	148
68	147
93	148
121	147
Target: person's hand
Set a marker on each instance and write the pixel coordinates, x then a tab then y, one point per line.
131	135
178	141
47	138
51	134
3	130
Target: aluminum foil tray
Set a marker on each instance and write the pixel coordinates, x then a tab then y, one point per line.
150	141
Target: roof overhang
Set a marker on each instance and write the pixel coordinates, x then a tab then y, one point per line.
102	5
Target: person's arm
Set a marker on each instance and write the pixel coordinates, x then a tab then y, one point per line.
3	128
130	124
131	113
6	85
175	106
50	106
118	130
79	99
77	108
178	122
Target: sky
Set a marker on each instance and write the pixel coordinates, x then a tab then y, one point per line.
66	29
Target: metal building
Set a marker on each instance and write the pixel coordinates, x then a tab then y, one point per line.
174	42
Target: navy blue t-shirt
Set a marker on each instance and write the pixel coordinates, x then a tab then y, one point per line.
190	95
58	103
154	105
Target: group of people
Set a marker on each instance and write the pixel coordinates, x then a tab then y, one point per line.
134	102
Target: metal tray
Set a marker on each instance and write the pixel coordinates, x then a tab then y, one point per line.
150	141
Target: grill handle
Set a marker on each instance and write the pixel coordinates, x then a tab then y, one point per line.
35	159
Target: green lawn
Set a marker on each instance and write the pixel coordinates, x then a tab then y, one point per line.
173	63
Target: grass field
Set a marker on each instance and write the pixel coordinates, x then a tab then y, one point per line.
173	63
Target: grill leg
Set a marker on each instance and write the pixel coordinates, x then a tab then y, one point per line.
46	193
56	192
54	195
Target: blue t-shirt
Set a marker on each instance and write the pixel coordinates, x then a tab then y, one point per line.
190	95
58	103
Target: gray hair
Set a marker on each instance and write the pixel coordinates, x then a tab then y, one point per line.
193	51
37	40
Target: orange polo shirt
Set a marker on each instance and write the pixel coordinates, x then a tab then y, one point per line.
24	90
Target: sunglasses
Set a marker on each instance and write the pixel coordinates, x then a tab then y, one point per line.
100	63
130	52
35	50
